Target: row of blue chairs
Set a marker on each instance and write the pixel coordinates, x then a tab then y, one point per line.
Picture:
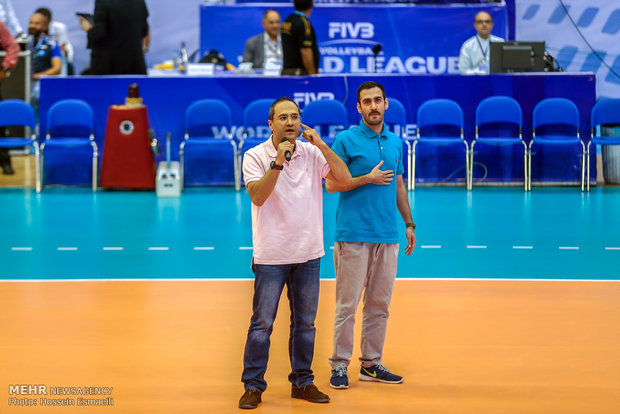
69	126
499	121
439	122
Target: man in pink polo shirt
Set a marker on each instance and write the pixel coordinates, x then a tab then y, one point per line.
283	177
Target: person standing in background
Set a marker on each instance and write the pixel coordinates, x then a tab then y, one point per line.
10	46
118	38
299	46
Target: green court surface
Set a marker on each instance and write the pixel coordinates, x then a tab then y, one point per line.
499	233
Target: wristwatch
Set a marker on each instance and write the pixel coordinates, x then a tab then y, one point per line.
412	224
274	166
6	70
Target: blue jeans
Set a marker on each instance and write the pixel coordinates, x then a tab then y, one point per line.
302	283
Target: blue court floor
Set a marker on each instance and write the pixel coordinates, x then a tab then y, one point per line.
71	233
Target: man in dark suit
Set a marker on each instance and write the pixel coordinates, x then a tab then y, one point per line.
266	45
118	38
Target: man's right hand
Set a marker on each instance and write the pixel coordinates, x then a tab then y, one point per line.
2	75
282	148
379	177
86	25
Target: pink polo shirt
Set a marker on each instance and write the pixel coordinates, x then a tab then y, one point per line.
288	227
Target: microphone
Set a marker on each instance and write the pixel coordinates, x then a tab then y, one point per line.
376	49
287	154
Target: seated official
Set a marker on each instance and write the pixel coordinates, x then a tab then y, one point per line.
57	31
475	52
46	54
266	46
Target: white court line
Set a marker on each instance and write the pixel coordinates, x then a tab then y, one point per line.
568	248
113	248
21	249
612	248
204	248
159	248
476	247
430	246
523	247
246	248
67	249
233	279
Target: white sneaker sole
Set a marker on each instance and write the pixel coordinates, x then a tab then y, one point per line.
363	377
338	387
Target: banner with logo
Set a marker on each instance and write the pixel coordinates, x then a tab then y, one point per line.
412	39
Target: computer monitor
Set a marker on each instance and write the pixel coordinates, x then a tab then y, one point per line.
508	57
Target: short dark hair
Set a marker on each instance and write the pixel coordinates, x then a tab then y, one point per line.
302	5
369	85
45	12
272	108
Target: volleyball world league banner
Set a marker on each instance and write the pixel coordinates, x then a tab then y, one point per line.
412	39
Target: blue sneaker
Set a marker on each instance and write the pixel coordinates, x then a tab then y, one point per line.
340	378
379	373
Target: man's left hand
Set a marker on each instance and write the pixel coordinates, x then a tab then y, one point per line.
410	241
311	135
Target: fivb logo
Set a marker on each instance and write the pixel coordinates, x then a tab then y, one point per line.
304	98
351	30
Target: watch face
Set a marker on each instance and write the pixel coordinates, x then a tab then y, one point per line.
272	164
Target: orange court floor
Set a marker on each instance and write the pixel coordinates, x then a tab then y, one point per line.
163	346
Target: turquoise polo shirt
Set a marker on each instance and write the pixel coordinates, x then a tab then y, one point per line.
368	213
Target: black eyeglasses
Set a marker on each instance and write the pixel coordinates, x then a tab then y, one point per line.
484	21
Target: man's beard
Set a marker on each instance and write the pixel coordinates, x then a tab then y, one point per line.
370	121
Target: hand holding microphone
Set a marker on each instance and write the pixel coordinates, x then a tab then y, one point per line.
287	153
284	148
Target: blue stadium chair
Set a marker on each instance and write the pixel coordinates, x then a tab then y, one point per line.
255	117
15	112
557	122
255	126
605	112
499	121
327	116
440	122
211	157
396	120
70	128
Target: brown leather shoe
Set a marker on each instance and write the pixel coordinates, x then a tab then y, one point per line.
250	399
311	393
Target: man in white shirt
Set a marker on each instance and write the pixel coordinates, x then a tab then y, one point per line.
266	46
475	52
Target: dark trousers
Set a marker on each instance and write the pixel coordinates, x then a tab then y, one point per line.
302	283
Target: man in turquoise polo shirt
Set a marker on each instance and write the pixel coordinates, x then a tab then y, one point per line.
366	248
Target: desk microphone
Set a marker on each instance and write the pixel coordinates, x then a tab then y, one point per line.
287	154
376	49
